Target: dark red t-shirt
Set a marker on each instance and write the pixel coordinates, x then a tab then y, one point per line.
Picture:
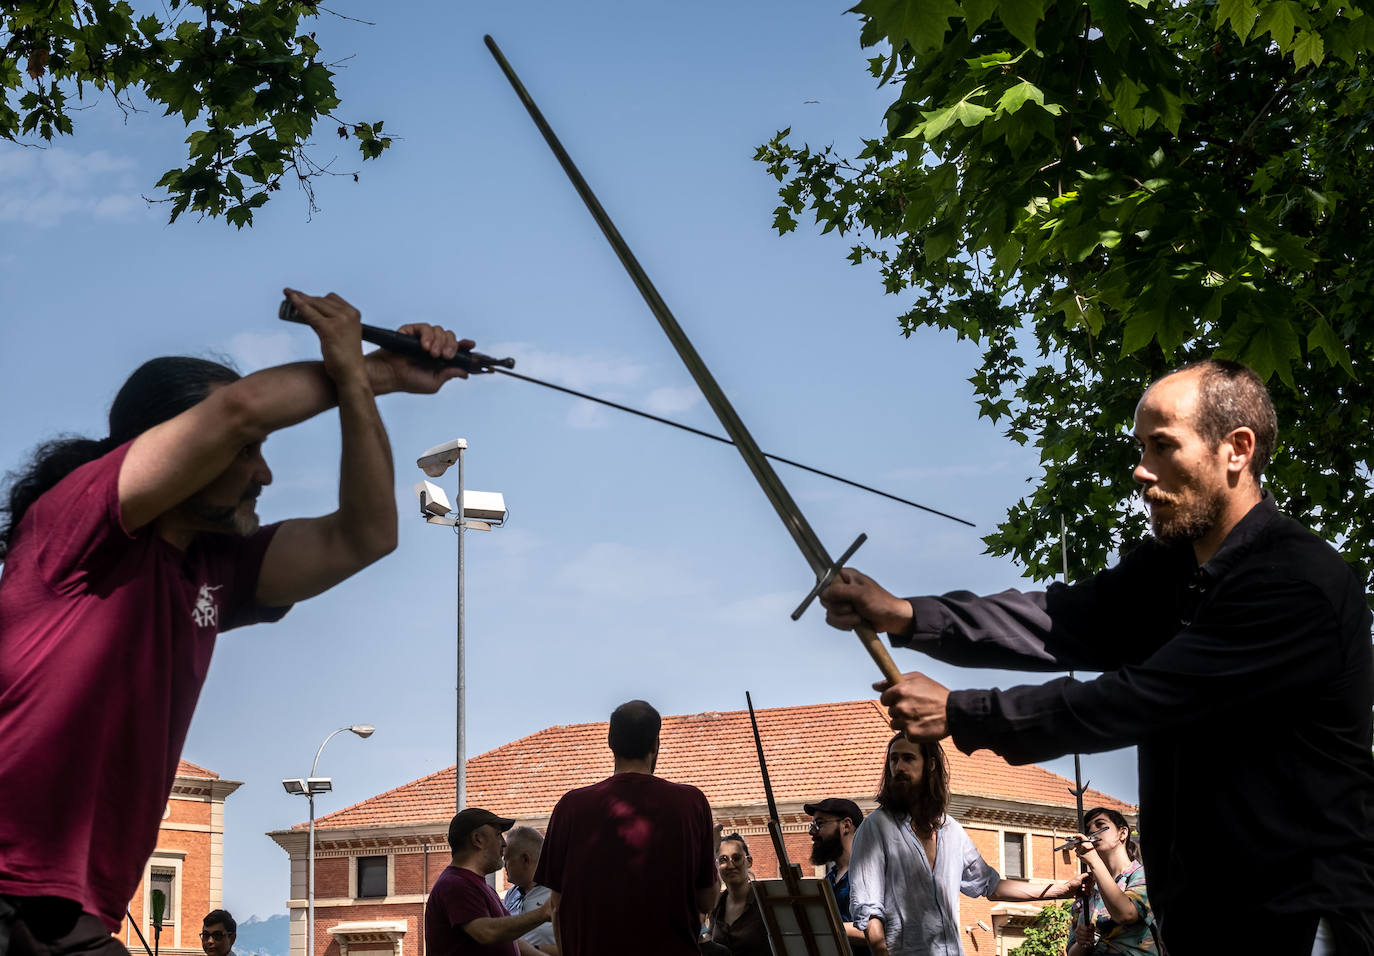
628	855
105	640
460	896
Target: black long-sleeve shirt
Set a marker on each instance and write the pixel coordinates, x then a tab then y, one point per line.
1247	684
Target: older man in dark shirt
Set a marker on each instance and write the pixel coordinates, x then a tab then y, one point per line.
1235	651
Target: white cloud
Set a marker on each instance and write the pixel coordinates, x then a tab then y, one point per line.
585	371
670	400
621	576
255	350
41	187
587	415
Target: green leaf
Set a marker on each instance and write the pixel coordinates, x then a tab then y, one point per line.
1241	14
977	12
1308	49
1112	17
1324	338
1022	18
963	112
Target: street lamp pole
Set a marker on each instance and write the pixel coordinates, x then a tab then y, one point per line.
308	788
487	511
462	736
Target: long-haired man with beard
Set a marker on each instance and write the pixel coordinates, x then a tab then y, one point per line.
911	860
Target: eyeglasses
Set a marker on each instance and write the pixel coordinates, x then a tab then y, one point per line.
735	858
817	824
217	935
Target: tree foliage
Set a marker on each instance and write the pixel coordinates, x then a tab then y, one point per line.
1048	934
245	77
1095	191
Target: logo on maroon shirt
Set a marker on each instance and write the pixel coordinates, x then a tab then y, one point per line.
206	612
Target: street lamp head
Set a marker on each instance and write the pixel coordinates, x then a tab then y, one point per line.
295	785
436	461
363	730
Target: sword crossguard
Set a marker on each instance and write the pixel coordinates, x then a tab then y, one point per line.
824	581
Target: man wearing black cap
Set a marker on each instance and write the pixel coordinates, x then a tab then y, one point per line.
833	822
464	916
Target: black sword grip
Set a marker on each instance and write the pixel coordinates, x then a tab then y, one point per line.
409	345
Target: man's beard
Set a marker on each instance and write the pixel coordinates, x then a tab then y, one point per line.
826	849
1193	512
227	518
900	793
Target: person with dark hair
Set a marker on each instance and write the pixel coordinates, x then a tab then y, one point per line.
654	839
911	860
1234	647
463	915
1118	918
633	730
123	560
218	932
834	821
736	922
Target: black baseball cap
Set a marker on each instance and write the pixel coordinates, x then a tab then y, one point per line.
470	819
837	806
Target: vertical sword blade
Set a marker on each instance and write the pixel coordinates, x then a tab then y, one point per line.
763	764
764	474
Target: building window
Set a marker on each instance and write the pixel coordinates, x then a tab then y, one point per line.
1014	856
371	877
163	879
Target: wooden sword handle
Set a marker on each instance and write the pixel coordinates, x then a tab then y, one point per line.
876	650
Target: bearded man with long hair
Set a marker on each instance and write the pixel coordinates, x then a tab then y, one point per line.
911	860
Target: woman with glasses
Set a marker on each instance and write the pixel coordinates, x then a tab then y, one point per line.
1118	911
736	922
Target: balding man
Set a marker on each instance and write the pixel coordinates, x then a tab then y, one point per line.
1235	651
523	845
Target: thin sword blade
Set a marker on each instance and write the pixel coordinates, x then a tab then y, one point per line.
764	474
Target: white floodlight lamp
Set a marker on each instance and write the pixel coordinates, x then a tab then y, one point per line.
436	461
433	502
488	506
295	785
319	784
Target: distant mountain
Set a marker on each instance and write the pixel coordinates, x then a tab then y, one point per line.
264	937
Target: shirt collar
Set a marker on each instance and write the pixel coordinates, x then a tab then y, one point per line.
1240	538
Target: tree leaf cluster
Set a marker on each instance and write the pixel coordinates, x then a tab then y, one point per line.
1048	934
245	77
1097	191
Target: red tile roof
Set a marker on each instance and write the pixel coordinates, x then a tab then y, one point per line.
187	769
814	751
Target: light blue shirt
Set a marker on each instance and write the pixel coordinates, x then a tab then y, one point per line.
890	879
517	902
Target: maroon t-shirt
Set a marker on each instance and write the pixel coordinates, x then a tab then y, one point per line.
460	896
105	639
628	855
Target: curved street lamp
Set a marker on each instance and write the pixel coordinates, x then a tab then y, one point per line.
307	788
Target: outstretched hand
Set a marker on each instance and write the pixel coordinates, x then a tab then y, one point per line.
916	706
853	599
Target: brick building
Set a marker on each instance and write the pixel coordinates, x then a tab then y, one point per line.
188	864
375	861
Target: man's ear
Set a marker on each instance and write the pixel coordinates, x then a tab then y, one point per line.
1242	442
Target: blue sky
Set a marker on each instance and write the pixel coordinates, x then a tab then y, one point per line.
639	561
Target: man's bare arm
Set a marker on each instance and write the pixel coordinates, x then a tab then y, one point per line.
486	930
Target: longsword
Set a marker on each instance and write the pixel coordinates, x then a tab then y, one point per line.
777	494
